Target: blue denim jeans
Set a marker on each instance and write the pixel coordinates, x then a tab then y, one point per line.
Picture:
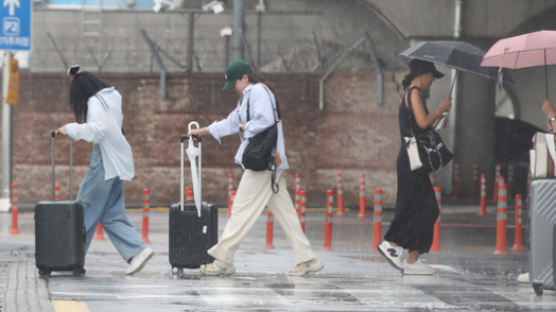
103	201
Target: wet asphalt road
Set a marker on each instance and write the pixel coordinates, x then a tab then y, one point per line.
469	276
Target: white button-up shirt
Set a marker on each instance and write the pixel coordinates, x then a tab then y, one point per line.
262	104
103	126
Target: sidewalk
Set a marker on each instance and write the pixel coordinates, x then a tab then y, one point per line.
469	276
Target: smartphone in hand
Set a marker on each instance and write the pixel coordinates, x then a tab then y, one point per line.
441	122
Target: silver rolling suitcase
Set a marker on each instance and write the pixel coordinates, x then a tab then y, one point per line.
542	232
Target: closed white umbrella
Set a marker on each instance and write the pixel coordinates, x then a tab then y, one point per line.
194	155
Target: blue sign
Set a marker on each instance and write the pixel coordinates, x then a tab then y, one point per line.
15	16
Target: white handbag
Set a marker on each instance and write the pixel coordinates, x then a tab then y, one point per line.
413	153
542	157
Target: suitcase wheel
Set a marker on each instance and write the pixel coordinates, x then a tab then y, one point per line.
538	288
177	272
44	272
78	271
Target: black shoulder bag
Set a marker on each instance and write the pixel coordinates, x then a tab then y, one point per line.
259	152
433	153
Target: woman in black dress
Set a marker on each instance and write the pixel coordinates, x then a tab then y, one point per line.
416	207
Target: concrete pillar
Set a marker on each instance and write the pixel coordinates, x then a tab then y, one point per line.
190	40
6	137
475	130
238	30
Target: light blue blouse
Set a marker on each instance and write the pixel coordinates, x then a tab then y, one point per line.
262	104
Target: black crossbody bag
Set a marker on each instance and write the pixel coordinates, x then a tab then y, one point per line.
259	154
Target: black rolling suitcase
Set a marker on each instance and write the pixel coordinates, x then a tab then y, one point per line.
191	235
59	233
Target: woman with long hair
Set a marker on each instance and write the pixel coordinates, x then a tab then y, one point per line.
98	113
416	207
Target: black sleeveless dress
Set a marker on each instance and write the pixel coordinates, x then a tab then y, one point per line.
416	207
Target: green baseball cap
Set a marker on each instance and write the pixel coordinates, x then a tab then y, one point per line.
235	71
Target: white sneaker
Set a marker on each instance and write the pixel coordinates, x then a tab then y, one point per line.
417	268
139	261
218	267
391	253
306	267
524	278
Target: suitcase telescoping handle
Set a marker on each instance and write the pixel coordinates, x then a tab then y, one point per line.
184	138
53	148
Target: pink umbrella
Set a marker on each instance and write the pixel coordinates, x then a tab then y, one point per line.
528	50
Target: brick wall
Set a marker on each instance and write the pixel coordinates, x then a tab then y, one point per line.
353	134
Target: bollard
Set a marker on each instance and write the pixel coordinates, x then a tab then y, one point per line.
518	246
328	220
297	194
435	247
57	190
501	221
15	223
456	180
362	212
499	180
146	207
230	203
230	189
100	232
303	201
298	204
377	219
189	195
232	198
496	175
269	231
297	201
475	182
483	211
340	194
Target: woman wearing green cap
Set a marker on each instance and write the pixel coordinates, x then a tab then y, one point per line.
255	191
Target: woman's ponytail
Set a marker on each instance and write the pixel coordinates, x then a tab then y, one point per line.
407	80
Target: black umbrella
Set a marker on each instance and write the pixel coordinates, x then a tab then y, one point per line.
454	54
